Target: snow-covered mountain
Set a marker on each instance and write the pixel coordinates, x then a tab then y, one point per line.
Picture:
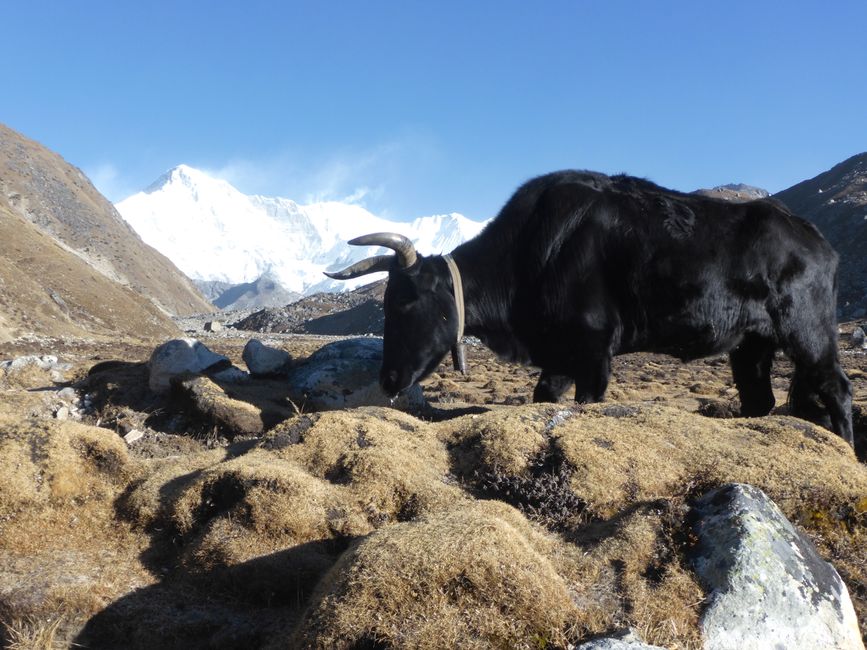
211	231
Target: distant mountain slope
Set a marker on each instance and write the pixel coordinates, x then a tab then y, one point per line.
836	201
735	192
56	197
262	292
48	290
349	313
214	232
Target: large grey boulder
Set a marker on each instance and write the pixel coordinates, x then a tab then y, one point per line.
264	361
361	348
184	356
767	586
345	374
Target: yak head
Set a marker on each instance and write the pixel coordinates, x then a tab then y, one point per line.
421	315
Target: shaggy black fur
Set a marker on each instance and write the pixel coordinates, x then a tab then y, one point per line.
579	266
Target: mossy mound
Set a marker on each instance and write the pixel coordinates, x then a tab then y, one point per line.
530	526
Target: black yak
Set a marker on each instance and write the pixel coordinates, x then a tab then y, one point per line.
579	266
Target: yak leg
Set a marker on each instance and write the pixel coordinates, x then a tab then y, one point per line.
551	387
591	381
751	368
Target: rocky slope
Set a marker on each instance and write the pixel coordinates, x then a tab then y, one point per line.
735	192
46	290
339	314
55	197
836	201
265	291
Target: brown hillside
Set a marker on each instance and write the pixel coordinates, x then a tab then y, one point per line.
46	290
44	189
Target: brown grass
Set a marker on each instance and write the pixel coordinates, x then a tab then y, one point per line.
31	634
476	576
371	526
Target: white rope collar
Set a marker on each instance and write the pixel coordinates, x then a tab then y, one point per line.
458	357
459	293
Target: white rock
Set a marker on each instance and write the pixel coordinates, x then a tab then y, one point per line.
43	362
133	435
213	326
767	586
180	356
264	360
629	640
67	394
62	413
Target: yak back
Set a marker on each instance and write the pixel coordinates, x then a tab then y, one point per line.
671	272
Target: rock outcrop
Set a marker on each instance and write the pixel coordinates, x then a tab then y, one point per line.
345	374
185	356
767	586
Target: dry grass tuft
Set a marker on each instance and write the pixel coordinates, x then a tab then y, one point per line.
31	634
477	576
47	463
649	451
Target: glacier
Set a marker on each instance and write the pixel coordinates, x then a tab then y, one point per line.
211	231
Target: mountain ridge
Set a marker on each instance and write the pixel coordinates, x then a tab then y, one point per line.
55	196
215	233
836	202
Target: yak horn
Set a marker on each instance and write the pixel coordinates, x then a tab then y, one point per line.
401	245
364	267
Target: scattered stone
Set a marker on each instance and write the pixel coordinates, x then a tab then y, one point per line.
62	413
68	394
47	362
44	362
345	374
859	340
266	361
213	326
628	640
767	586
133	436
182	356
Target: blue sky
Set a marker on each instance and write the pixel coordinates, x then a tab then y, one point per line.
413	108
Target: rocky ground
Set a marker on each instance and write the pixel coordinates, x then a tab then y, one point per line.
358	311
481	520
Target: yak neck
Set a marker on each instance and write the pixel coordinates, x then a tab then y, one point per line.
487	287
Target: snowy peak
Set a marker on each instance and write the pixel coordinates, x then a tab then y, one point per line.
184	176
213	232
